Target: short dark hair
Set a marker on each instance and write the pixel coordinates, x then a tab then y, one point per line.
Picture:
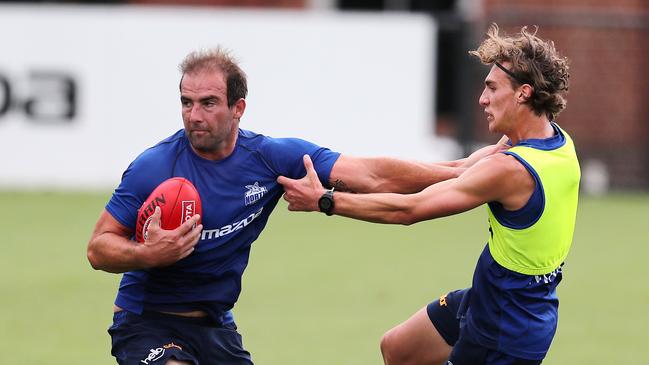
218	59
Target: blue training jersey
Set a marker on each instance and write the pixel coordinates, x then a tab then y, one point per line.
238	194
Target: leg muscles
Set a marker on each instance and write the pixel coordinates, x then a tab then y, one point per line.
414	342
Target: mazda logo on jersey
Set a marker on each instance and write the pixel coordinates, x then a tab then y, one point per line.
208	234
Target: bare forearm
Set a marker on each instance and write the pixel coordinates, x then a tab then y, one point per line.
386	208
384	174
113	253
454	163
110	248
411	177
440	200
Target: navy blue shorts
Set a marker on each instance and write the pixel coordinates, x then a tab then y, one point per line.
152	338
444	314
447	314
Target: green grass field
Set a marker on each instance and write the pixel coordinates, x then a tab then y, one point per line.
320	290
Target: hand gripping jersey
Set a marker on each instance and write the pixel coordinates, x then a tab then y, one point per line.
513	304
238	194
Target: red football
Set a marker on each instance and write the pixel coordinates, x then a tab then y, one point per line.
177	198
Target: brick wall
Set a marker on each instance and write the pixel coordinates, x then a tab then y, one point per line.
607	42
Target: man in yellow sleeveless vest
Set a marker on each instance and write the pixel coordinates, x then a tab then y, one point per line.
509	315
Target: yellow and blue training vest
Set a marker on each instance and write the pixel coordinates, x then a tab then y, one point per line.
535	239
512	304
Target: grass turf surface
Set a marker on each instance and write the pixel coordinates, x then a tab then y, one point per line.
320	290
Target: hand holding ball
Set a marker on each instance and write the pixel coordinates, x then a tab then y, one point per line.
178	200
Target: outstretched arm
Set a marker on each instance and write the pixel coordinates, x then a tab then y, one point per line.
497	178
384	174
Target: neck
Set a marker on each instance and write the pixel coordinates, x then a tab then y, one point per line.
216	155
531	127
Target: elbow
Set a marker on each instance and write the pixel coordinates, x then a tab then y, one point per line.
93	260
93	257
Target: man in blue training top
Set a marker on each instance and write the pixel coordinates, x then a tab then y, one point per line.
509	315
173	303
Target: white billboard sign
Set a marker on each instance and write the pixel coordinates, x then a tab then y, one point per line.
83	90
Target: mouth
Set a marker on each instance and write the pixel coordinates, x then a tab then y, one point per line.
489	116
199	132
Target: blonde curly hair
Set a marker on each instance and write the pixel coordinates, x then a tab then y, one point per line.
534	61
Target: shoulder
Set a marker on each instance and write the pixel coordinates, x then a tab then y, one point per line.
499	165
496	177
162	150
274	145
249	137
284	155
155	163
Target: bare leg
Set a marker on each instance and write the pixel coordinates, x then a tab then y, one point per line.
414	342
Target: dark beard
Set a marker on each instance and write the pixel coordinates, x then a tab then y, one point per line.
204	144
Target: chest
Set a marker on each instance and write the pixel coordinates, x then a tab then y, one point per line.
231	190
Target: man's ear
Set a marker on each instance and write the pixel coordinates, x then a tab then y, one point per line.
525	93
239	107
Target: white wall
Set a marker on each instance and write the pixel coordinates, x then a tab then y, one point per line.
361	84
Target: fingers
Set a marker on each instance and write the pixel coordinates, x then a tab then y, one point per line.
155	218
311	177
154	226
284	181
189	224
191	239
310	170
194	235
170	246
311	174
189	233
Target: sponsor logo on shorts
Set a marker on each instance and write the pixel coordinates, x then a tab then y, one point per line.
442	302
172	345
157	353
154	355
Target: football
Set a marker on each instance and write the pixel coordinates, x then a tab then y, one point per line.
178	200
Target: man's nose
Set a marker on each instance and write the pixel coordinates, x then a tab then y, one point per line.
483	100
195	114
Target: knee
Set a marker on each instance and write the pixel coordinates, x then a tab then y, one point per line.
394	352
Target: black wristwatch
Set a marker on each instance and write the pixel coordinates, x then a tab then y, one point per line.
326	202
